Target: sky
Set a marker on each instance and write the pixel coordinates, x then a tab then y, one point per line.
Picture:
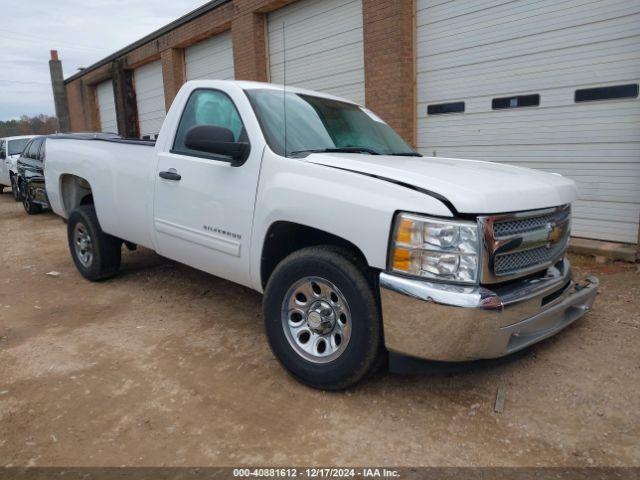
82	31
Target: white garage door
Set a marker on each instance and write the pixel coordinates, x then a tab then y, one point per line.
107	107
210	59
527	77
150	98
324	47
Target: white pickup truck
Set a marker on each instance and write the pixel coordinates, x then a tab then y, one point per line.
361	246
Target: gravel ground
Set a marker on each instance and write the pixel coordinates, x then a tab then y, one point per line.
165	365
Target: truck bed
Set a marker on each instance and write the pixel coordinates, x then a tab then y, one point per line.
121	173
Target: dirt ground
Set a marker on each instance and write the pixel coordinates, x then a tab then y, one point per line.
165	365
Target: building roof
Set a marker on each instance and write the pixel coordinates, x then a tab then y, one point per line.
152	36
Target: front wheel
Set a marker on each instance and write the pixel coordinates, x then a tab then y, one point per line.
96	254
29	205
321	316
14	189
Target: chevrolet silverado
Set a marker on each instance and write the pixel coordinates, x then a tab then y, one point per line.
361	246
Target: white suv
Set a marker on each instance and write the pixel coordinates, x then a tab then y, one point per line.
10	150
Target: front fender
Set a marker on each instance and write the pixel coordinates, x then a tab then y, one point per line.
355	207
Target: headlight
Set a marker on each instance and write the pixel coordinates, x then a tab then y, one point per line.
437	249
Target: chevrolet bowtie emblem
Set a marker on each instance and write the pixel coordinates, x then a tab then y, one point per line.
555	233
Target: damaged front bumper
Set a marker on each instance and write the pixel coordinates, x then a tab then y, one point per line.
446	322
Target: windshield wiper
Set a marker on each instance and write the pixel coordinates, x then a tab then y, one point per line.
406	154
337	150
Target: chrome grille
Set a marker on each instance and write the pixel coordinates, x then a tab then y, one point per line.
524	260
520	243
513	227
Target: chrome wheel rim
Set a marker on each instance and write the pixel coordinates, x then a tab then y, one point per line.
316	319
83	245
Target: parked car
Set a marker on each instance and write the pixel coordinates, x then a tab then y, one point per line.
10	150
360	246
30	178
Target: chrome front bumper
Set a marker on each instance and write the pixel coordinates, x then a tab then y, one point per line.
444	322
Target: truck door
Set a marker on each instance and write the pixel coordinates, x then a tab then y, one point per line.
203	206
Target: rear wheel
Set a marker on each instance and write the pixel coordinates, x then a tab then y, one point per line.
1	189
96	254
29	205
322	319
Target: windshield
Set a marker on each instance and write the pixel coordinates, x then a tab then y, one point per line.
322	124
17	146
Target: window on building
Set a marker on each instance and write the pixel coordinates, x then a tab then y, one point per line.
607	93
440	108
516	101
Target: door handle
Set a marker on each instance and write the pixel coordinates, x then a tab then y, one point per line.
171	174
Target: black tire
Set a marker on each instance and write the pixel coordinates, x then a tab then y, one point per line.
29	205
14	189
22	188
1	189
106	249
365	346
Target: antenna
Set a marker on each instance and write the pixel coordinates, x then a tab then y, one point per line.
284	86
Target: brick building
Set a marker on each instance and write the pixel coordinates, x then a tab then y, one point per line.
550	85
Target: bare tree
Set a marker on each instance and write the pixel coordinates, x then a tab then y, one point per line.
37	125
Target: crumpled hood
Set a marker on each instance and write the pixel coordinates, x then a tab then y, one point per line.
471	186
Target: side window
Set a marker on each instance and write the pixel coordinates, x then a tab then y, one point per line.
42	150
16	147
26	153
35	148
2	149
208	107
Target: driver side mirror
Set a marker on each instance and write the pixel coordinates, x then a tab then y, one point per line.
218	141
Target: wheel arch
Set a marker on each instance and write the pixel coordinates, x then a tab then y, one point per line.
285	237
74	191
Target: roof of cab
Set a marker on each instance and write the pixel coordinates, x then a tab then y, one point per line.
251	85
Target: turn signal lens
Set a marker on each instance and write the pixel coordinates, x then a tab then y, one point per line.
434	248
402	259
409	232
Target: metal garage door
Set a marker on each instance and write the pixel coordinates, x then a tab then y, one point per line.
150	98
324	47
107	107
496	56
211	59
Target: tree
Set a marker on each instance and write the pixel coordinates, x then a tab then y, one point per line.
37	125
